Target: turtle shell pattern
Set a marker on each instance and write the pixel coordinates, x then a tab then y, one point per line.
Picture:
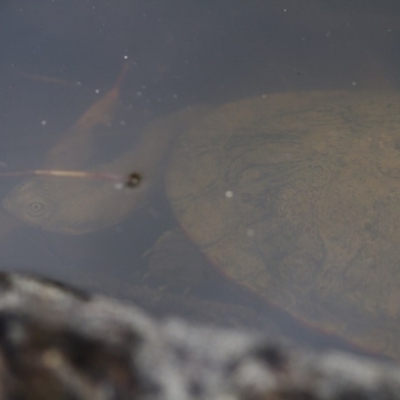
297	196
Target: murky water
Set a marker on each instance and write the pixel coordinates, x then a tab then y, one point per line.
57	60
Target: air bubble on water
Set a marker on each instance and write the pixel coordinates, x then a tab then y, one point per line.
118	186
97	91
229	194
43	122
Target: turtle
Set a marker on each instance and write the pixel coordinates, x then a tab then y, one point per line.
295	195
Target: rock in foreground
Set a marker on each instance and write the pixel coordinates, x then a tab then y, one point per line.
59	343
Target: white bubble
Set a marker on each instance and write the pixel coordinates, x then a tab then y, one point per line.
229	194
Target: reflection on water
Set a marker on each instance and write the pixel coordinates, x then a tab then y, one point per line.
309	224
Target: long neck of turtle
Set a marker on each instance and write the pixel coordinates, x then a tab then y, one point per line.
147	158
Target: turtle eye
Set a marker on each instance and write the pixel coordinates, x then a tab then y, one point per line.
36	208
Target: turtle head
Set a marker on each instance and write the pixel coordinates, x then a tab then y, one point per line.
70	206
29	203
